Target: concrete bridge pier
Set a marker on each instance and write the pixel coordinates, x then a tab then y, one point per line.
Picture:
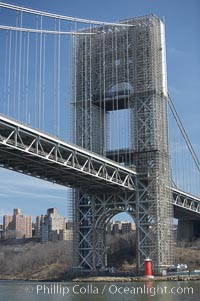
188	230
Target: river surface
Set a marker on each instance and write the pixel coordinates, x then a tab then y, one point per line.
100	291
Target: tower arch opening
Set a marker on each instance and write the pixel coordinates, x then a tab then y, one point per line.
121	241
115	232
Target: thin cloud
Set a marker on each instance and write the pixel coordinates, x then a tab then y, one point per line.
3	194
18	180
175	51
37	195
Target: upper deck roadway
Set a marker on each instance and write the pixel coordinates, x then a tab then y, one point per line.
186	206
35	153
32	152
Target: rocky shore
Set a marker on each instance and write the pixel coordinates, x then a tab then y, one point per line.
137	279
107	278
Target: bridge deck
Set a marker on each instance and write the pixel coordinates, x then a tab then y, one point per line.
186	206
35	153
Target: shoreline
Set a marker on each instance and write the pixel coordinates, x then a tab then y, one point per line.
138	279
108	279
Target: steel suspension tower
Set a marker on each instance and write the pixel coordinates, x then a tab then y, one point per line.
120	111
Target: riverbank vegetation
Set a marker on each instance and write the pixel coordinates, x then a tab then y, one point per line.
35	261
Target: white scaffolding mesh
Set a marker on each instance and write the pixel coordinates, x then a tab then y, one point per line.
120	110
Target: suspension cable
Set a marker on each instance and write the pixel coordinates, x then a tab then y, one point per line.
183	132
41	31
56	16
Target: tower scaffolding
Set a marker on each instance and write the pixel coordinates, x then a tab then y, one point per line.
121	74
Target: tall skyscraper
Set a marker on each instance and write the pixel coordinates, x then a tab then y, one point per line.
7	222
51	225
39	221
17	225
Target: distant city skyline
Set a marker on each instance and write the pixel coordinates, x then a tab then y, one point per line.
34	218
50	226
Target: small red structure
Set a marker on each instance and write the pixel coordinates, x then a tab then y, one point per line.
148	268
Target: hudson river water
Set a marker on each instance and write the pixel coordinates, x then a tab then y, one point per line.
111	291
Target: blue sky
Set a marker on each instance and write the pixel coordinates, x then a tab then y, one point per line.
183	62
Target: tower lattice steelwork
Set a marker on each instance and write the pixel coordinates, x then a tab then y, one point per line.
120	111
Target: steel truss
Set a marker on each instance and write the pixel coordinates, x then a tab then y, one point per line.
34	153
186	202
91	215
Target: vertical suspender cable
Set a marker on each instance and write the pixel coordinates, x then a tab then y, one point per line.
75	87
125	130
9	71
85	137
130	110
40	77
90	91
112	121
55	83
43	82
117	137
15	69
58	104
19	71
80	110
5	74
177	157
27	75
100	97
84	132
104	91
82	116
36	71
173	149
69	91
23	93
72	83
